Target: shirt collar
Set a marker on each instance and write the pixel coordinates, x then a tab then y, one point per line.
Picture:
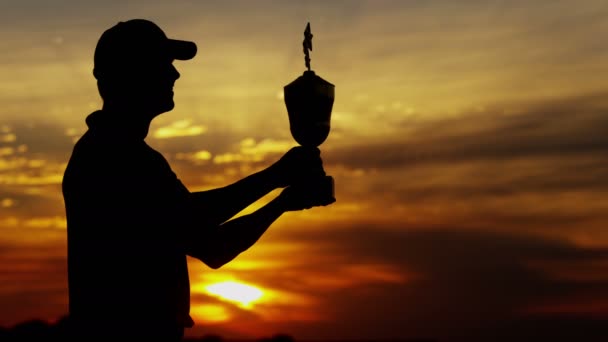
115	125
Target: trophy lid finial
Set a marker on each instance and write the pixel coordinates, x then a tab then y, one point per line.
307	45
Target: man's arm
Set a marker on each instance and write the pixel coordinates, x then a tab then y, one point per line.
220	204
223	203
219	245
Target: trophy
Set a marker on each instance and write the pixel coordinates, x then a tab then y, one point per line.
309	100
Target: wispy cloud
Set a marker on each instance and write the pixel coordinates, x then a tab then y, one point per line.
181	128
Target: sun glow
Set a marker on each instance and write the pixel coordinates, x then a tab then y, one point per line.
242	294
209	313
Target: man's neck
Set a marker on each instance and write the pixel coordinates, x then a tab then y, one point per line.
128	119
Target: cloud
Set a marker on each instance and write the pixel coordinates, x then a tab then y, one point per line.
181	128
534	166
470	283
21	269
198	157
562	128
226	157
44	139
37	156
252	151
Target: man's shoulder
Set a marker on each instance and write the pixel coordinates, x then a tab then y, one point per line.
95	156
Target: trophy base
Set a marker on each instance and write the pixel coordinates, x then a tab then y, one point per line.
321	189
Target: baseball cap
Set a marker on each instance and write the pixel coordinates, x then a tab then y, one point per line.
133	43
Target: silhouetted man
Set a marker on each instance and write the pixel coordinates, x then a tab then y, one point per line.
131	222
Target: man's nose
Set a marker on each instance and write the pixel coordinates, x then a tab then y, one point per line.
174	73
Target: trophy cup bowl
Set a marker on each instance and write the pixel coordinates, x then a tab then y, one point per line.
309	100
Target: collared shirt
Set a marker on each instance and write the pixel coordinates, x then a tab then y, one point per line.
126	261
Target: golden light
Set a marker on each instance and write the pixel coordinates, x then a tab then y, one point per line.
209	313
242	294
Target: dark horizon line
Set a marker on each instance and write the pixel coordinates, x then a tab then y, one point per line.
39	327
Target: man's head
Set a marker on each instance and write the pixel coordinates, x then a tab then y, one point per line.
133	65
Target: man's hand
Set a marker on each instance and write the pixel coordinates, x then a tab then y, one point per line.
305	195
298	164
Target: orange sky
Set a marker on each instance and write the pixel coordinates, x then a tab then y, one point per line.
468	146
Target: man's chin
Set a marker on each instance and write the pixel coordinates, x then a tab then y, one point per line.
170	105
163	107
167	105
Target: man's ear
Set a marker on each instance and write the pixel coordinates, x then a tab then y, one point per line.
111	90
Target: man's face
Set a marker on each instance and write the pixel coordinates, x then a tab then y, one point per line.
152	85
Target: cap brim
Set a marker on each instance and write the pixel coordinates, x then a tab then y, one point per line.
181	49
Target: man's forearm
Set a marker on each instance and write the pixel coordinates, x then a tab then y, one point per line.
221	204
235	236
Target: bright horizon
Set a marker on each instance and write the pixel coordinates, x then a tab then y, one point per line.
468	147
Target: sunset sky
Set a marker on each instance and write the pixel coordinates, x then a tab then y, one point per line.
469	148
